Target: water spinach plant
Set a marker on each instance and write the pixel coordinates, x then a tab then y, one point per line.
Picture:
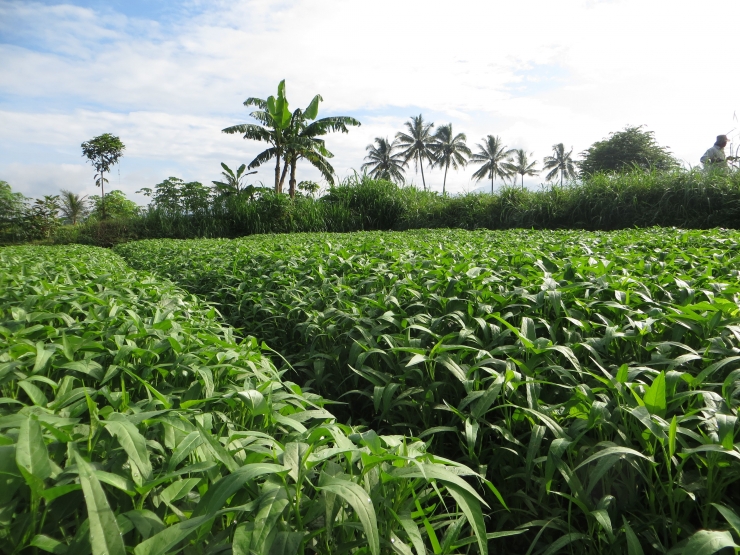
594	378
132	421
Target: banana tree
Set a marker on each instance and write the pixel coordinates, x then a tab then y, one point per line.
275	117
303	141
291	135
232	181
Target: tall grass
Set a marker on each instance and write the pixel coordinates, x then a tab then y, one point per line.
690	199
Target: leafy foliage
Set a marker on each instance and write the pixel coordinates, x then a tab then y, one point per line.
175	196
116	206
594	377
103	152
133	421
624	150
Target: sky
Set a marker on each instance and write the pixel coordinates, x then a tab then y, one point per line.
167	77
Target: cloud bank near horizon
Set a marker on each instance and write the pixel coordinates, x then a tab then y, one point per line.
167	77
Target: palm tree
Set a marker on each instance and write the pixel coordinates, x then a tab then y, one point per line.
417	143
492	155
73	206
521	165
449	150
232	182
383	160
560	162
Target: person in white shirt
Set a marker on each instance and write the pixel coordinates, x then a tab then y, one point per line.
715	156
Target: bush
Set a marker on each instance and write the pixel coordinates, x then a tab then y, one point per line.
693	199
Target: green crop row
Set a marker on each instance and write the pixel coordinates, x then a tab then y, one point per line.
593	377
133	421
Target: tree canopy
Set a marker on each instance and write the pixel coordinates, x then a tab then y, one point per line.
625	150
385	161
103	152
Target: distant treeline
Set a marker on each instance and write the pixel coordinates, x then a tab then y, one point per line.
690	199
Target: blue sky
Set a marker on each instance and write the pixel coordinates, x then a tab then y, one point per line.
168	76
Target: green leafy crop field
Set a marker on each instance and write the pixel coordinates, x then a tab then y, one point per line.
592	378
133	421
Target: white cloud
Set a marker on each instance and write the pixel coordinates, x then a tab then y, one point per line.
534	72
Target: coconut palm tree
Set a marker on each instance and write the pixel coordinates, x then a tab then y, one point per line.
449	150
559	163
493	156
417	144
521	165
73	206
383	160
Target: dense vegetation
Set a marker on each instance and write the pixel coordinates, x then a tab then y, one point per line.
594	378
689	199
132	421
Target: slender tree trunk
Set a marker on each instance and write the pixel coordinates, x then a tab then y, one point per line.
293	164
492	174
421	163
102	192
277	173
285	171
522	182
444	182
561	178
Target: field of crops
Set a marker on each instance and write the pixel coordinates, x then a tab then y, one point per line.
593	378
133	421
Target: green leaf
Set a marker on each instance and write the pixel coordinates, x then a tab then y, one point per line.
633	544
105	536
562	541
358	499
34	393
42	357
271	508
134	444
31	455
654	398
672	436
614	451
184	448
707	542
146	522
312	110
227	486
87	366
436	472
178	489
49	545
472	511
286	543
162	542
412	531
730	516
